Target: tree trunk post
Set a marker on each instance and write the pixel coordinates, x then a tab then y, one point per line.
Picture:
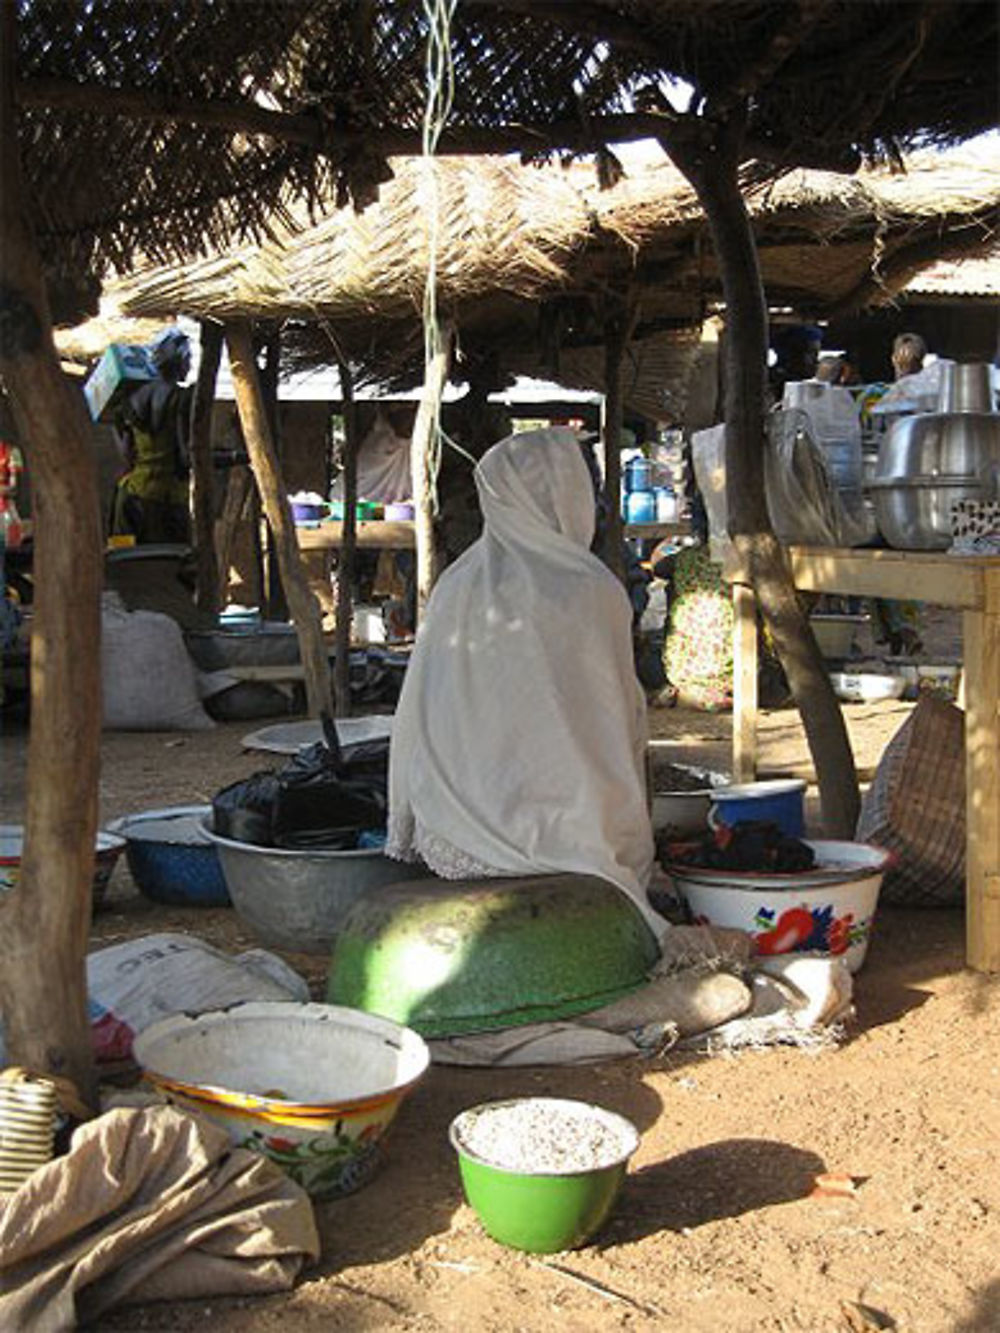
202	472
709	158
45	919
348	546
271	485
421	449
617	329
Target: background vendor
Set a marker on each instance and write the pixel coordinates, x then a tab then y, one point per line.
151	498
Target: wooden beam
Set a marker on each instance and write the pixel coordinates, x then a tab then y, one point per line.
202	471
274	496
346	561
45	919
422	444
528	138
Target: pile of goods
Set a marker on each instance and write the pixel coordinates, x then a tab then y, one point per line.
748	845
329	797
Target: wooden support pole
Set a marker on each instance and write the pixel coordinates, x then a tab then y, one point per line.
420	465
981	647
202	472
348	546
45	919
271	485
617	331
745	658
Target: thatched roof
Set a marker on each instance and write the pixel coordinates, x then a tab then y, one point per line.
526	256
166	127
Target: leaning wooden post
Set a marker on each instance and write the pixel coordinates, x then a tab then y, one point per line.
202	472
348	546
270	483
45	919
708	153
617	331
422	446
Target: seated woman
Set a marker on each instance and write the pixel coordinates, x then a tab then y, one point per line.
519	741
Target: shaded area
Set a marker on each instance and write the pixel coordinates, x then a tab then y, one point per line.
719	1180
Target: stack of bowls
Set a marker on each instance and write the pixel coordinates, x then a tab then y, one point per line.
27	1128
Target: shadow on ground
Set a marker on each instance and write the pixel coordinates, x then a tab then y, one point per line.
719	1180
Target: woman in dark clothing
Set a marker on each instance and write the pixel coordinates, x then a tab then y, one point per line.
151	498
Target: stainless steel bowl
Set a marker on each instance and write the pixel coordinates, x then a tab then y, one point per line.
298	899
925	464
914	513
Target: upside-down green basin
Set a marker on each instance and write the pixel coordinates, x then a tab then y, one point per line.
452	957
537	1212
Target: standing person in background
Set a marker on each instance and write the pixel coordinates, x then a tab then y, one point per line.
897	623
908	353
797	351
151	498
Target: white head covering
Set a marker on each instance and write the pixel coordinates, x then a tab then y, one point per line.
518	746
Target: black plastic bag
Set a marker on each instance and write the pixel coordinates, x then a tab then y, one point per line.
323	799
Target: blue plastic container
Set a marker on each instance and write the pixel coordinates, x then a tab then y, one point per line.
780	801
640	507
638	475
170	858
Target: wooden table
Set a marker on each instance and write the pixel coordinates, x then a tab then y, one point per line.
972	585
398	536
371	533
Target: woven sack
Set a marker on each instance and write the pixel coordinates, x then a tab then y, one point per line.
915	807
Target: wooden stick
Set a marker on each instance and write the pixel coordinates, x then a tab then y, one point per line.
271	485
346	561
202	472
423	483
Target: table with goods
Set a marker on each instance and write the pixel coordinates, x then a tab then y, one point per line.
934	490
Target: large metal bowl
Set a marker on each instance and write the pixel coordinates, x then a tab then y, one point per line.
925	464
295	899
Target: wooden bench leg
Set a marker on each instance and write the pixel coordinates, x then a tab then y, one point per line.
981	633
745	651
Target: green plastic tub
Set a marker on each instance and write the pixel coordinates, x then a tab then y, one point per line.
543	1211
451	957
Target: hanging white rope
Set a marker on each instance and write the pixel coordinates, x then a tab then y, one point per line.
440	81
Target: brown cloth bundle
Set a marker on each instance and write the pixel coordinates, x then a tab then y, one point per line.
148	1205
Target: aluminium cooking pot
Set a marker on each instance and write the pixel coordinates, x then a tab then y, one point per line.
929	461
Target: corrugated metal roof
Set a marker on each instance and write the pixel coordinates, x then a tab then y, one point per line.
965	278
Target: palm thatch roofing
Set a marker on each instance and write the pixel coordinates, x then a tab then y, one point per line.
526	257
166	127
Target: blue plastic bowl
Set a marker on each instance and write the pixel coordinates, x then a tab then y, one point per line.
780	801
170	858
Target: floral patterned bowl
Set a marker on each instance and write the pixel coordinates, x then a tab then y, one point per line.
826	910
314	1087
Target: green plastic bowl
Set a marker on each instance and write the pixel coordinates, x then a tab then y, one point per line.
446	957
544	1211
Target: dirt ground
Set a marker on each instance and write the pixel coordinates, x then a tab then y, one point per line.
716	1227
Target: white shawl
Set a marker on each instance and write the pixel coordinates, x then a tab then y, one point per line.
519	739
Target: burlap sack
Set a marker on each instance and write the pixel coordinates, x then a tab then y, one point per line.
915	807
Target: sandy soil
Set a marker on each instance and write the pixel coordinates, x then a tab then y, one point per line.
717	1227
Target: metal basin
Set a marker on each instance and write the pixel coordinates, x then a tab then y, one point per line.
925	464
297	900
169	857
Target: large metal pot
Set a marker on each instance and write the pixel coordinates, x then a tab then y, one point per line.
929	461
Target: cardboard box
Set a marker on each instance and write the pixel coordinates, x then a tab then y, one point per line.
121	369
